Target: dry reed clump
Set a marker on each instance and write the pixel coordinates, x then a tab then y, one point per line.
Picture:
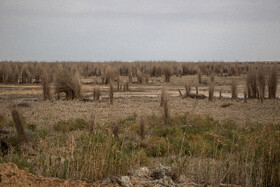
272	82
46	81
199	76
163	93
139	76
252	83
109	75
96	93
261	83
167	73
68	81
211	88
111	92
234	89
187	90
164	104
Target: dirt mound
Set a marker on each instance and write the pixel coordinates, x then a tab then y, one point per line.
10	175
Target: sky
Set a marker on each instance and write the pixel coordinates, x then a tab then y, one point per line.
131	30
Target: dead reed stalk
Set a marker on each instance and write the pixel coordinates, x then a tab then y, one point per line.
261	83
46	85
234	89
163	93
96	93
164	97
252	83
187	90
111	93
19	127
211	88
245	95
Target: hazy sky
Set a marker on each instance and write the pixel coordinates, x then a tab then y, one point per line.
128	30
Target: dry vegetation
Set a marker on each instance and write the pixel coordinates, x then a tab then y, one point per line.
108	133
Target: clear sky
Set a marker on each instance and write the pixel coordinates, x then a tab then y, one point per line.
129	30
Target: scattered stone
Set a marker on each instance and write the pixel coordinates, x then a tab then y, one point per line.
142	172
161	171
125	181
